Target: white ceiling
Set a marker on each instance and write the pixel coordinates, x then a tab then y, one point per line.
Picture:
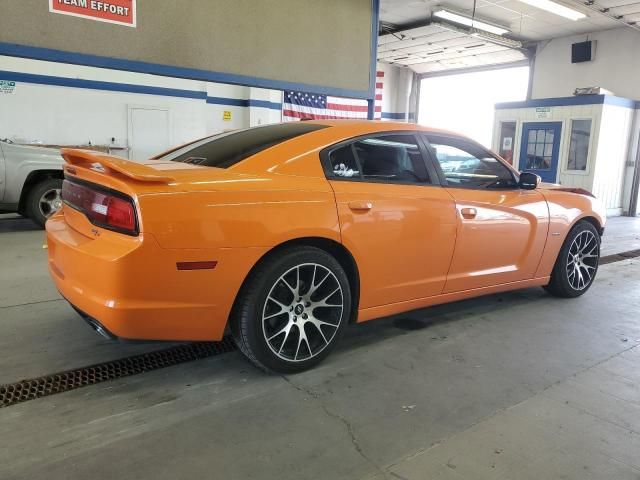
433	48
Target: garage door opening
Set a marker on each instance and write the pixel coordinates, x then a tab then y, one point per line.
464	103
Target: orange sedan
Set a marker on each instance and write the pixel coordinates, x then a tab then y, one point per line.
283	234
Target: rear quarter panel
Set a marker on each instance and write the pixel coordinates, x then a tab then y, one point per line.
565	210
258	212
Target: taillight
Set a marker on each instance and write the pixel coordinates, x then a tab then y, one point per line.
103	207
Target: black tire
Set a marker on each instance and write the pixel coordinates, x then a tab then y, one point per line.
270	280
33	209
563	283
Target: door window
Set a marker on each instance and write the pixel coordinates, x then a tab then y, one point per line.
385	158
540	149
468	165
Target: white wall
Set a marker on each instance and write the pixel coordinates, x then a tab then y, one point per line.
616	66
37	112
54	114
612	154
396	91
631	160
261	115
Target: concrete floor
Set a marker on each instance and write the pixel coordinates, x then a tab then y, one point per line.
517	385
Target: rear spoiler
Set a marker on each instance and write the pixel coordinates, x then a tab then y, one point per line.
104	163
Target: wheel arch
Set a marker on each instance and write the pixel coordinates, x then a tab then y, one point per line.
33	179
332	247
593	221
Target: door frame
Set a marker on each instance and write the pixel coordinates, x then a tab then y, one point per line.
555	152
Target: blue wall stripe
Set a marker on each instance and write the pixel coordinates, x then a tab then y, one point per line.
132	88
571	101
232	102
236	102
265	104
51	55
99	85
394	115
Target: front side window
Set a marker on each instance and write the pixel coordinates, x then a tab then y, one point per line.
579	145
466	164
387	158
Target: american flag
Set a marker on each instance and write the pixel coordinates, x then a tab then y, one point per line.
298	105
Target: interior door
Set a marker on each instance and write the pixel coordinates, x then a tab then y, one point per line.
540	148
148	132
398	224
501	229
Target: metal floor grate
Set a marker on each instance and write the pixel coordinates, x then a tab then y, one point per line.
618	257
25	390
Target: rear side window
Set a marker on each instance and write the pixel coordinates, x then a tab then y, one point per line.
387	159
227	149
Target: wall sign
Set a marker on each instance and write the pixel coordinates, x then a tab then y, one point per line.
543	113
226	115
121	12
7	86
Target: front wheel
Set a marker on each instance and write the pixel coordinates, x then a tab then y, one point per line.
293	310
577	262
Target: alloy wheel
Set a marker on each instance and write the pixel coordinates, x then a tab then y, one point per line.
582	260
302	312
50	202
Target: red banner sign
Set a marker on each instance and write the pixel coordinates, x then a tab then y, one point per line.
122	12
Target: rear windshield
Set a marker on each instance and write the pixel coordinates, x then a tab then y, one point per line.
227	149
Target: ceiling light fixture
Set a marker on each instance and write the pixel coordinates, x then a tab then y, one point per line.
469	22
556	8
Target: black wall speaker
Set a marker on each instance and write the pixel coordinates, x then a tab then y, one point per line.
582	52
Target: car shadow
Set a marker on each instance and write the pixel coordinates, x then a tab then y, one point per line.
363	335
16	223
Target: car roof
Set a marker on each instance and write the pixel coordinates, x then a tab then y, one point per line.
380	125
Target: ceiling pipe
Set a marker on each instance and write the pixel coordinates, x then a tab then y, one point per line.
604	11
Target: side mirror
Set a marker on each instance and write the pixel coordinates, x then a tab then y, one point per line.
529	181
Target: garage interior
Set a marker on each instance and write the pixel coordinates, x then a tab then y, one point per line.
512	385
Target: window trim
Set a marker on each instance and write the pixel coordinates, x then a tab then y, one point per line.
434	179
567	148
443	178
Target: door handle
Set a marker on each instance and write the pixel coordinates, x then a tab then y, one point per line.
469	212
361	206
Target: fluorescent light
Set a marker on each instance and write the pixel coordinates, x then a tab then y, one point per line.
497	39
556	8
469	22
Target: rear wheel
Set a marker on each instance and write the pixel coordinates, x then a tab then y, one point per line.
43	200
293	310
577	262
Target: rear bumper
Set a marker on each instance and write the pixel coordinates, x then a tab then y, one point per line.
131	288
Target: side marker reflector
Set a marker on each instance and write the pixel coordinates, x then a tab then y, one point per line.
196	265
